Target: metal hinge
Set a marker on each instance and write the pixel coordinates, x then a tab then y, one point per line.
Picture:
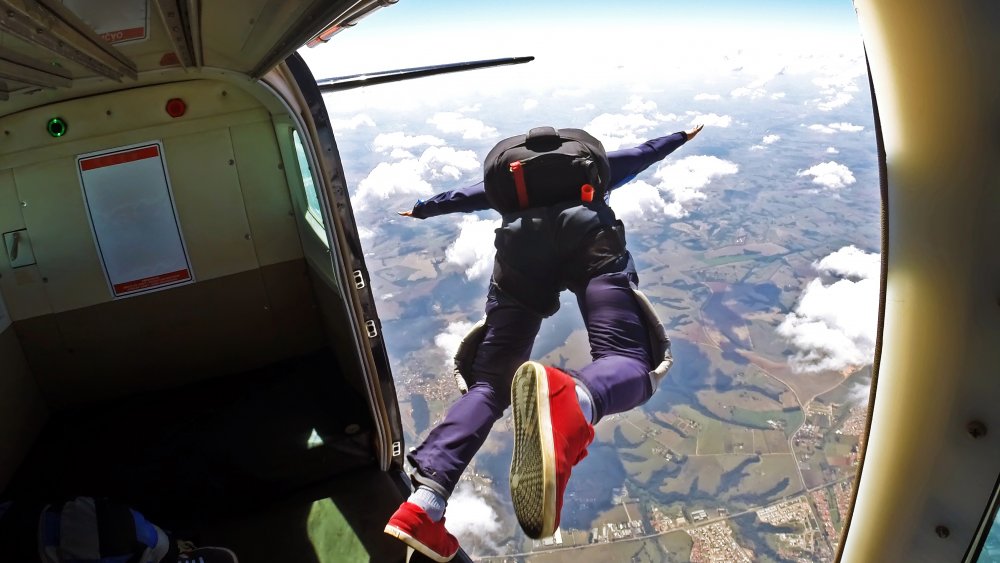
397	448
359	279
372	330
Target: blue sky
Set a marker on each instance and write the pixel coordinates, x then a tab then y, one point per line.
419	32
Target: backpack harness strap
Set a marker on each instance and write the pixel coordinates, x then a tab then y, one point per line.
522	189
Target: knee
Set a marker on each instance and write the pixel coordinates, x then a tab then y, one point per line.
497	397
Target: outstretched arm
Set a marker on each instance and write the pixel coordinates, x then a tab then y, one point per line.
462	200
626	164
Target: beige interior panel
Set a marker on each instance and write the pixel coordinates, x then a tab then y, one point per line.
61	237
119	118
168	338
22	411
22	288
206	188
265	193
251	37
926	480
294	311
10	206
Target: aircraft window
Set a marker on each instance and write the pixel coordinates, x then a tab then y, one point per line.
990	550
312	197
757	243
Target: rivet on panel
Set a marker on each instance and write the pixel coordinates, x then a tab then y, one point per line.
942	532
45	280
108	113
224	93
976	429
231	162
247	236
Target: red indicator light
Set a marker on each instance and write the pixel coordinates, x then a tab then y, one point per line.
176	107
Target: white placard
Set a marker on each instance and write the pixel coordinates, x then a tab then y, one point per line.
116	21
132	214
4	316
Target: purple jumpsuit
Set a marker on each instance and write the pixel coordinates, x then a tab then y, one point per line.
541	243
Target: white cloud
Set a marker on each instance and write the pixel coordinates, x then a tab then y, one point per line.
859	393
710	119
695	171
851	262
834	127
639	200
777	95
616	130
530	104
829	174
685	178
352	123
399	140
637	105
751	93
473	521
834	326
454	122
413	176
449	340
838	100
705	96
399	154
473	249
838	89
832	150
470	109
585	107
766	140
364	233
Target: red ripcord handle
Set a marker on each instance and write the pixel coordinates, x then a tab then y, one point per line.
522	189
586	193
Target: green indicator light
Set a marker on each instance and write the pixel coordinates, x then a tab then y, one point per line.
56	127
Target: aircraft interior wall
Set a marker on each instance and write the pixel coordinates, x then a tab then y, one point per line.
251	302
22	410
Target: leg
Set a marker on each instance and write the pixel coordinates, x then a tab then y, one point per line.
618	378
450	446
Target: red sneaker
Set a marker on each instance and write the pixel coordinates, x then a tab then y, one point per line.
550	437
411	525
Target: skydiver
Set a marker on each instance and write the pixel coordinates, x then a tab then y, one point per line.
571	245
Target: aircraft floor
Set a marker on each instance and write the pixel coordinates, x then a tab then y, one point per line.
275	464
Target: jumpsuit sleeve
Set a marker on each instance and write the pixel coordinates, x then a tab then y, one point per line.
463	200
626	164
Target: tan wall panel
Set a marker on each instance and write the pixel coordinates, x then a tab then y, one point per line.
164	339
22	288
265	193
120	118
61	238
10	206
22	411
209	202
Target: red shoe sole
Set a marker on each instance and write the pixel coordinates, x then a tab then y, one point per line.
533	467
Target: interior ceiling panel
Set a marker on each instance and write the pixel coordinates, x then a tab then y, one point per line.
116	43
